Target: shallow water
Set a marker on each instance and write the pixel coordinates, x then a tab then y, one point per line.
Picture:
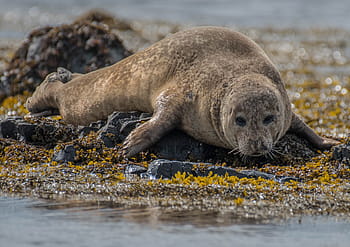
24	222
17	17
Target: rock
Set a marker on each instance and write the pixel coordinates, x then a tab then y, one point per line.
342	153
257	174
180	146
145	116
64	155
98	125
8	129
82	46
175	145
27	132
118	126
222	171
168	168
44	132
162	168
134	169
85	130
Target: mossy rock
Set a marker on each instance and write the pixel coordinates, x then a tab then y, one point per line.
81	47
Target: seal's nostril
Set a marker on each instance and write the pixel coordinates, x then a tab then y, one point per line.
264	147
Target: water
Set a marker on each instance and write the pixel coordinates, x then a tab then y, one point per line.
24	222
17	17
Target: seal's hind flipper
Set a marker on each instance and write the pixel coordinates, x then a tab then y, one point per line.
63	75
300	128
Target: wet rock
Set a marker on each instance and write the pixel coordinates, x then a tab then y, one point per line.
98	124
162	168
27	132
44	132
342	153
85	130
175	145
168	168
134	169
118	126
222	171
180	146
80	47
8	129
64	155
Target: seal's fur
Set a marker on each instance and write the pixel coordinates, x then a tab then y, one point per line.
215	84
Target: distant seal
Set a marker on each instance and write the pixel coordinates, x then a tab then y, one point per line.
215	84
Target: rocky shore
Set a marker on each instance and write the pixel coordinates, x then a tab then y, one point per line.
47	158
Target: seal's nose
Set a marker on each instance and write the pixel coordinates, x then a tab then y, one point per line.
259	148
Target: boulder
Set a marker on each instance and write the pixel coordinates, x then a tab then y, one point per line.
67	154
81	47
162	168
342	153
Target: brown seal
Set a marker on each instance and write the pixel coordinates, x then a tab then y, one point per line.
215	84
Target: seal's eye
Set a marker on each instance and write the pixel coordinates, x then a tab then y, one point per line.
269	119
241	121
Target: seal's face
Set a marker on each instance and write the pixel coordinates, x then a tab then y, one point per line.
42	102
255	123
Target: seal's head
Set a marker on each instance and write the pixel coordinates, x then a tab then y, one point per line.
255	117
43	101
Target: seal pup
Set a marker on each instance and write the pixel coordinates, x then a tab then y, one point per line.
215	84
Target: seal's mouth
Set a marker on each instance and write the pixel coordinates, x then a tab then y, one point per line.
44	113
256	154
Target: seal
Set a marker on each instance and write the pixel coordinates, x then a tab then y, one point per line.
215	84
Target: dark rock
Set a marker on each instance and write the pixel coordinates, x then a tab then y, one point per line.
257	174
117	127
26	131
64	155
285	179
222	171
8	129
82	46
167	169
180	146
128	126
85	130
177	145
145	116
44	132
135	169
342	153
15	118
98	125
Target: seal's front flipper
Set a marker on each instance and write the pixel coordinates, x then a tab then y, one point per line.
303	130
166	117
